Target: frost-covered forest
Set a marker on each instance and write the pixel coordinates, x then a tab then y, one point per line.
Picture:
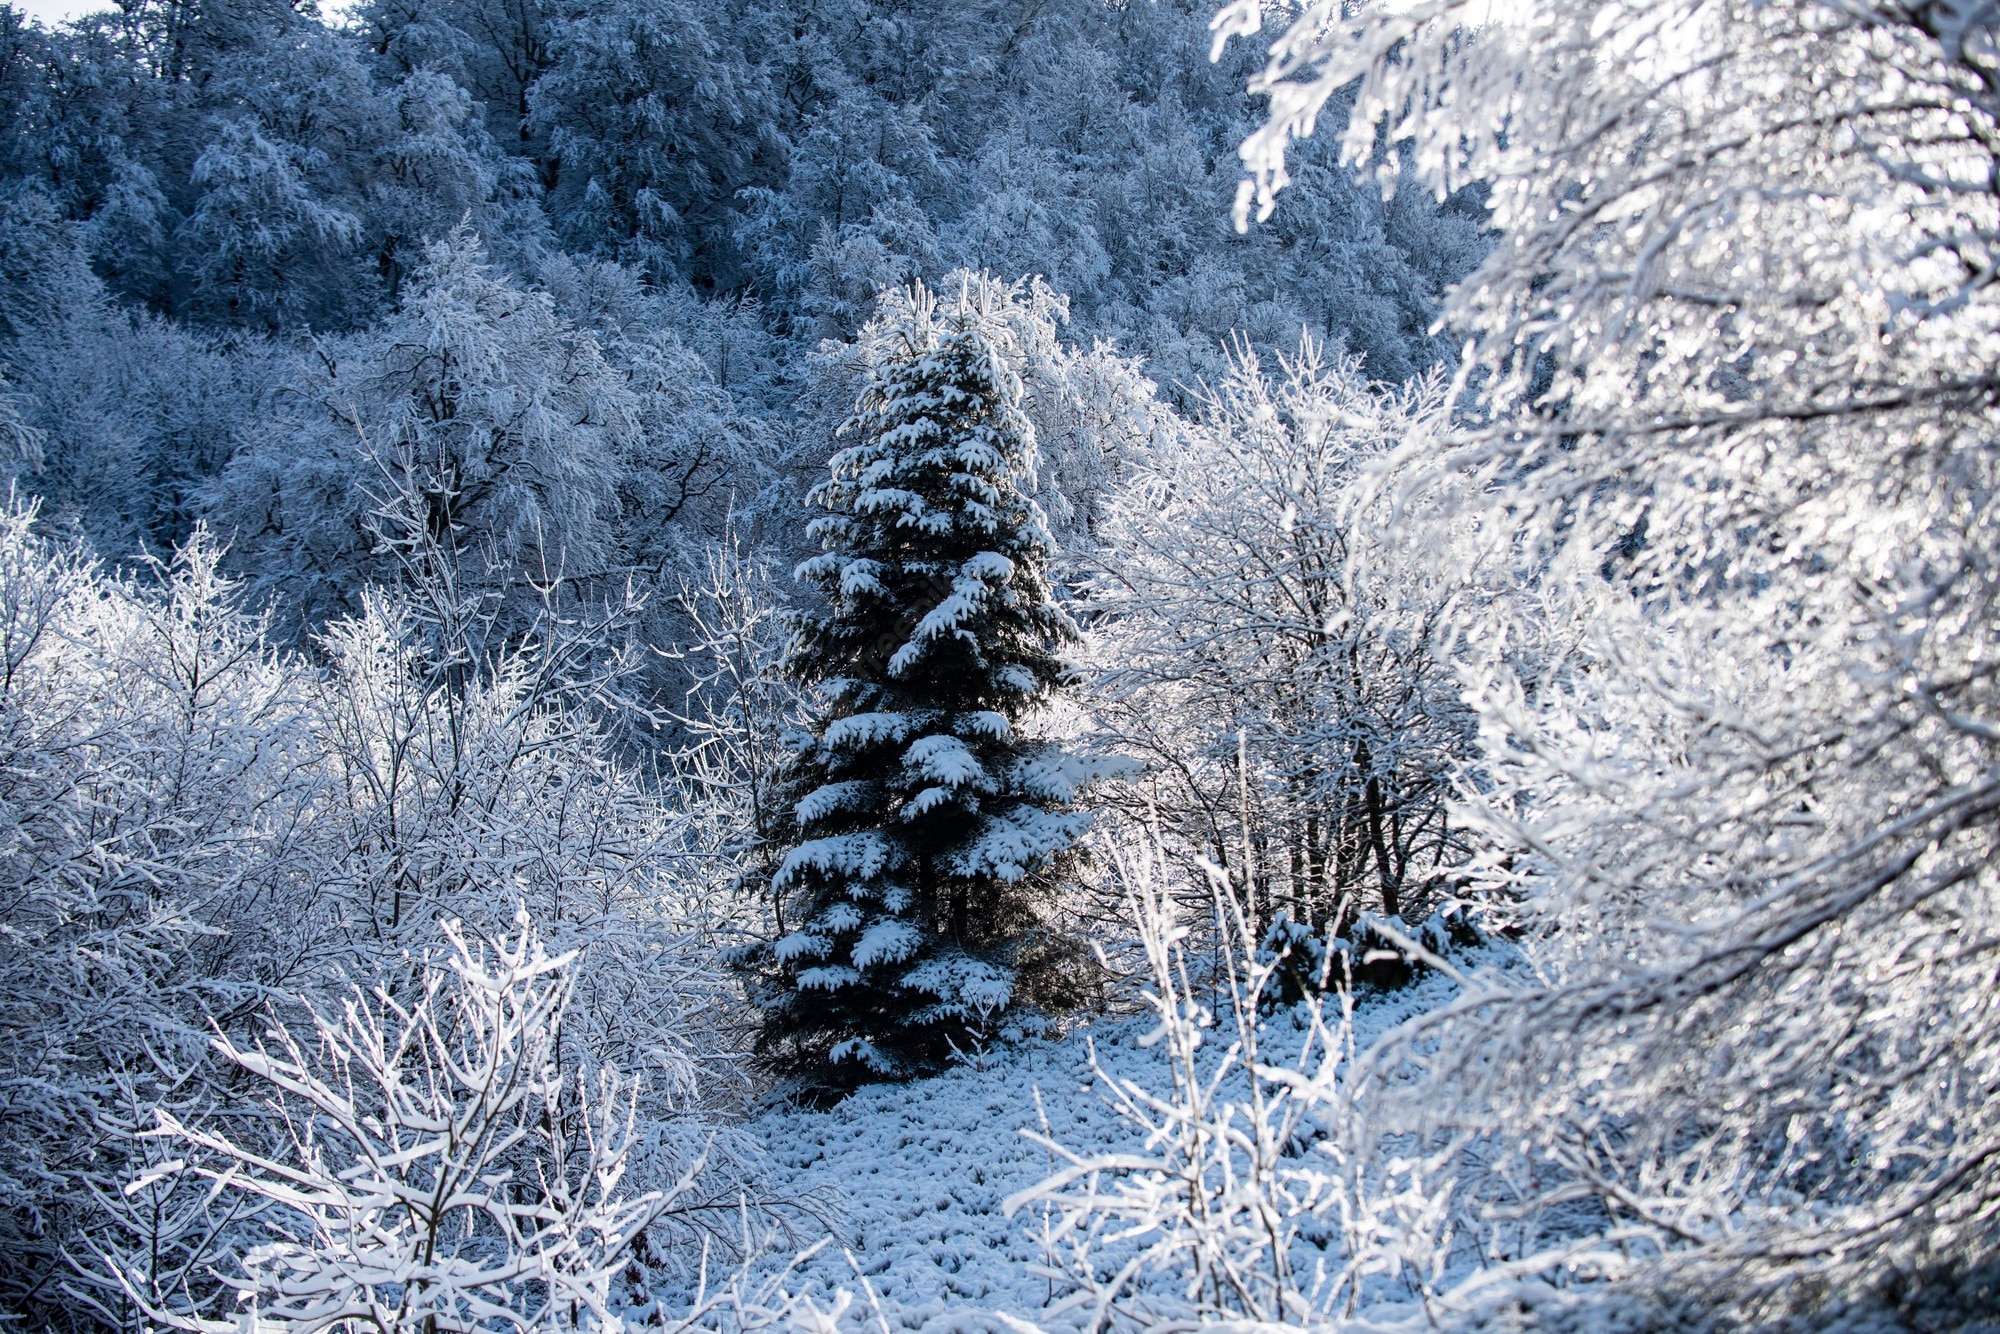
1000	665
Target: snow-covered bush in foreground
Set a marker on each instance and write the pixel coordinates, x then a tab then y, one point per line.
1263	1192
1738	343
442	1170
199	828
472	779
451	1161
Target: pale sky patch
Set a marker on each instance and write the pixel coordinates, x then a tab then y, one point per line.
52	12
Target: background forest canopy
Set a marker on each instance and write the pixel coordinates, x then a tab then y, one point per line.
685	199
580	294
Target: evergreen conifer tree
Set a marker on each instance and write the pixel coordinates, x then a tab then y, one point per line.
931	831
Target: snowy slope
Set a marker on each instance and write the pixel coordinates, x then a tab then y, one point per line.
919	1172
920	1169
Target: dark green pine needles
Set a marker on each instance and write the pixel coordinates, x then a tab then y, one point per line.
931	831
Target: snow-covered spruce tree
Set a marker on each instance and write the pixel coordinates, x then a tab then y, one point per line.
931	831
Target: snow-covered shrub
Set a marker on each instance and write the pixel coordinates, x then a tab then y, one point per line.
471	780
159	785
739	712
442	1167
1261	1191
199	826
1275	642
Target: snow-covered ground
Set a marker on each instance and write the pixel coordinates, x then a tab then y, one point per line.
918	1172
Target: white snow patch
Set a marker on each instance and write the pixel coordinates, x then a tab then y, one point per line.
832	797
921	1170
867	729
988	565
984	723
887	941
944	759
800	944
858	856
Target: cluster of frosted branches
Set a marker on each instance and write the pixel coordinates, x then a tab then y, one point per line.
201	827
738	710
1277	658
1736	351
1260	1190
440	1169
442	1166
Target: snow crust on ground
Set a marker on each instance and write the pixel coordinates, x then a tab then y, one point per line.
917	1172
